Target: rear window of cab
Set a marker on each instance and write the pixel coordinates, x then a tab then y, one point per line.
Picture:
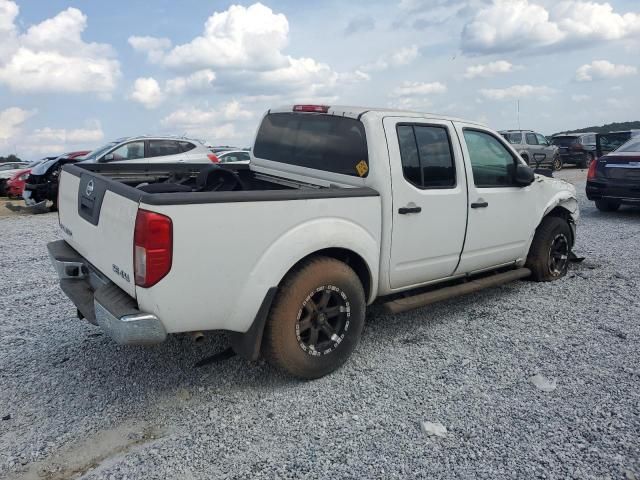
321	142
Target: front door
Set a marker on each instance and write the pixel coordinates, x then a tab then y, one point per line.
429	200
501	214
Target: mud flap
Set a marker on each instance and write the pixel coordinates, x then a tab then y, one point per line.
573	258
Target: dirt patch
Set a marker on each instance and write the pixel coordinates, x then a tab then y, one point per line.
92	453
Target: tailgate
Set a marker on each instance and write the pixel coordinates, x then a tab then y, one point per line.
99	224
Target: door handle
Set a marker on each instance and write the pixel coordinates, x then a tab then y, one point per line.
406	210
480	205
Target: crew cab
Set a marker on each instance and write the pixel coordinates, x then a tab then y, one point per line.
339	208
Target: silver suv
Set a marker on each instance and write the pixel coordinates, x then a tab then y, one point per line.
534	148
147	149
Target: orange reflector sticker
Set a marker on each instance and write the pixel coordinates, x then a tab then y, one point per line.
362	168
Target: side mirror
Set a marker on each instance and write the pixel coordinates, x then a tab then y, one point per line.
107	158
524	175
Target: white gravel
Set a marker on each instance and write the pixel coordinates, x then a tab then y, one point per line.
81	406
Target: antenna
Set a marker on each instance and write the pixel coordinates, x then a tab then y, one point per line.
518	113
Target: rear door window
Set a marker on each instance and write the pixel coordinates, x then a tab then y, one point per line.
321	142
427	159
162	148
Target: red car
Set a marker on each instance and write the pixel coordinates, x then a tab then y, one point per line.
15	185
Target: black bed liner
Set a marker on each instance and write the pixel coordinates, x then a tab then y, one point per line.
103	172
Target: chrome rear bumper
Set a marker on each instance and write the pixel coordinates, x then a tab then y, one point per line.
101	302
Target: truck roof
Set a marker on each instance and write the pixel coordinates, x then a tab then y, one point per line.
356	112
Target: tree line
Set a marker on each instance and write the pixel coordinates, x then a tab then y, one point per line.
10	158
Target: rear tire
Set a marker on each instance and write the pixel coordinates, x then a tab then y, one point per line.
316	319
548	257
557	163
607	205
525	158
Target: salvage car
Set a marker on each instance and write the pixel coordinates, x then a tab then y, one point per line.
8	170
576	148
534	148
614	179
41	186
152	149
340	207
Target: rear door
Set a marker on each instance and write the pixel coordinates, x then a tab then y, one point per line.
501	214
99	224
429	200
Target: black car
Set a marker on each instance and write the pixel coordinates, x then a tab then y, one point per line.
614	179
576	148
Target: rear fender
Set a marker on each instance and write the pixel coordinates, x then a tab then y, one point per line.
296	244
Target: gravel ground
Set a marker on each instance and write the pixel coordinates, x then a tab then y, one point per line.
77	405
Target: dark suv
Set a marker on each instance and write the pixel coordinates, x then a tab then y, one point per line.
576	148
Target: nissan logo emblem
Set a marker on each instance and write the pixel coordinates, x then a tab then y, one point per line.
90	186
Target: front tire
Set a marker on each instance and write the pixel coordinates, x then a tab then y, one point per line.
607	205
316	319
548	257
557	163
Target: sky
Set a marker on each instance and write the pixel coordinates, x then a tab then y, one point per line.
76	74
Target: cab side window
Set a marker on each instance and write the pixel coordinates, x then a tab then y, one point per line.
427	158
492	164
129	151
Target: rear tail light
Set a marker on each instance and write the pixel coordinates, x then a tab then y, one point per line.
591	173
213	157
152	248
311	108
577	146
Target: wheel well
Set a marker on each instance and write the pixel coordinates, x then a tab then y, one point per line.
355	261
563	213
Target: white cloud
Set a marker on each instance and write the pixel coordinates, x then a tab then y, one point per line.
517	91
11	120
51	56
580	98
241	37
489	69
603	69
153	47
242	49
199	81
90	135
402	56
415	89
216	125
147	92
510	25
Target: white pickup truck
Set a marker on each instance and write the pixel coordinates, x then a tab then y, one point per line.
340	207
